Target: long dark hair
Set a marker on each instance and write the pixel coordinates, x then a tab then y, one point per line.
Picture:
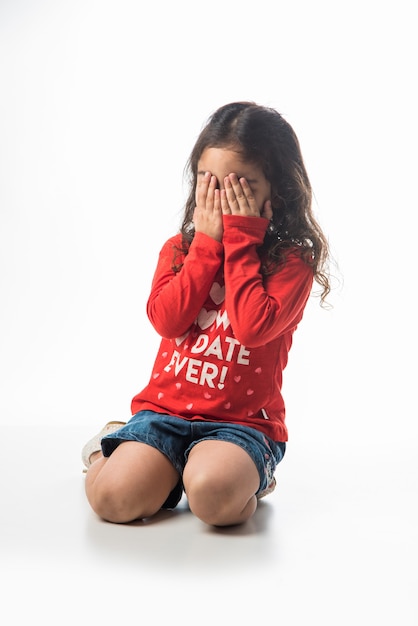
266	139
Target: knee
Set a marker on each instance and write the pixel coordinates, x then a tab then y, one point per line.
110	504
205	499
214	502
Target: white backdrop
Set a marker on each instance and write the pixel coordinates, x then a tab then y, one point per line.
101	102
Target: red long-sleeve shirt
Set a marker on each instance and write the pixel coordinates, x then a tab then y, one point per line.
226	329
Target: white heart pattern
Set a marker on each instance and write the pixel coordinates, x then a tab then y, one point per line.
180	340
217	293
206	318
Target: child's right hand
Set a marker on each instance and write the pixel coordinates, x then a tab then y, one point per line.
207	216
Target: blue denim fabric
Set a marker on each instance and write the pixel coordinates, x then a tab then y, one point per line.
175	437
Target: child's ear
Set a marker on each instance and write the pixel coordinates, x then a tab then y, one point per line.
267	210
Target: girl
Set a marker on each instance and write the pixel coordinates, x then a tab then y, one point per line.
228	292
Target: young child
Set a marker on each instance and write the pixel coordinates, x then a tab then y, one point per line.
228	292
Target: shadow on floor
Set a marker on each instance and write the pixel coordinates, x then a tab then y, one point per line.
177	538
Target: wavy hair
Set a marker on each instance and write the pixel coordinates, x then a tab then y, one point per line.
265	138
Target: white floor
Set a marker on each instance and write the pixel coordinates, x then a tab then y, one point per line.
335	544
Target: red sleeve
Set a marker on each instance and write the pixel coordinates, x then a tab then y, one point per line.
260	308
176	298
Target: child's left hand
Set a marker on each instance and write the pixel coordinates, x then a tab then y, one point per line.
237	198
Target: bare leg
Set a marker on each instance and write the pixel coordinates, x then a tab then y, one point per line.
132	483
220	481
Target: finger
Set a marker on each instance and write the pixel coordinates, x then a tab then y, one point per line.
238	190
231	198
210	197
248	201
226	210
217	200
244	197
202	188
